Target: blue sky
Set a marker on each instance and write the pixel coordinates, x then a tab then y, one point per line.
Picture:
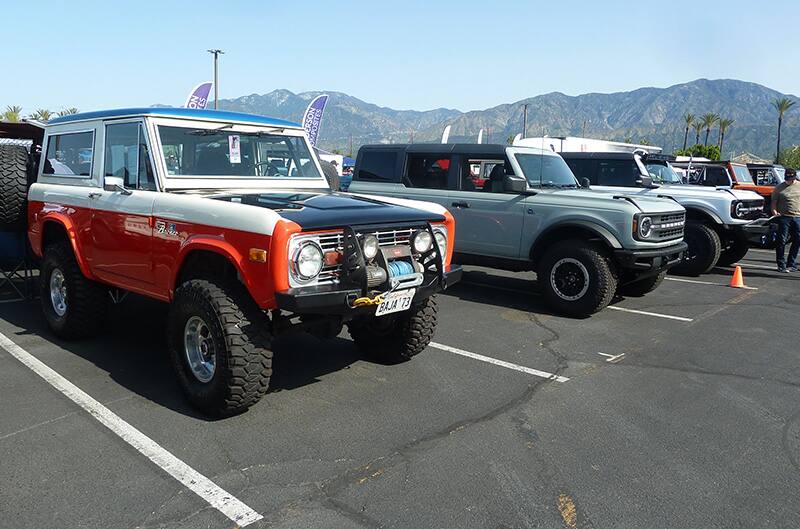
406	55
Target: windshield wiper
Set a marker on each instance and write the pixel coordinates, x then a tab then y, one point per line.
553	185
210	132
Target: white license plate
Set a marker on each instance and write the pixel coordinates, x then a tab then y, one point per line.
396	302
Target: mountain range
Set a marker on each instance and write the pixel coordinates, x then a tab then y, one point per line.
652	115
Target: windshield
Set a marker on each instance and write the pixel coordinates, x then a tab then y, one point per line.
780	174
216	152
662	173
546	171
743	175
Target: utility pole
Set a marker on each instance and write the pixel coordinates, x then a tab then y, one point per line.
216	54
525	120
351	146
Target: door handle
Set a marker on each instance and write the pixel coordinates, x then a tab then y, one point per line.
95	195
461	204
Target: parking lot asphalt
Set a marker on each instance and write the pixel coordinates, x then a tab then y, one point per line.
677	409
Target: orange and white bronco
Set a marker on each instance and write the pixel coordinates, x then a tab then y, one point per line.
227	217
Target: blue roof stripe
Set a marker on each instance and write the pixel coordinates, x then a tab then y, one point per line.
180	113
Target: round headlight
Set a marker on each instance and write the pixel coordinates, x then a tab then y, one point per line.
739	209
441	242
308	261
645	227
422	241
370	247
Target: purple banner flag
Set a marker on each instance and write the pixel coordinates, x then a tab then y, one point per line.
313	117
199	96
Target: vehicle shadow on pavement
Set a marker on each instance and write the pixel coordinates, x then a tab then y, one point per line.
132	349
501	291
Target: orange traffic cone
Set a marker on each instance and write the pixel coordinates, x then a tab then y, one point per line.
737	281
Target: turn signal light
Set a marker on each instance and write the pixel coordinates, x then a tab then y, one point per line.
258	255
332	258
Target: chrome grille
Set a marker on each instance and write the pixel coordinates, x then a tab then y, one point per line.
332	242
668	226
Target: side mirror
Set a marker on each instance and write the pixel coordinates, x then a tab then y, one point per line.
115	184
514	184
585	183
646	181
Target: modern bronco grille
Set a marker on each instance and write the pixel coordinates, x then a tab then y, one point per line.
668	226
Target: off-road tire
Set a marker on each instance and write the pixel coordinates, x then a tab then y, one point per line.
703	252
602	284
733	253
242	345
396	338
14	170
87	301
643	286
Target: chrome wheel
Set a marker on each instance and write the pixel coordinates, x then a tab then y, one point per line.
58	292
569	279
198	344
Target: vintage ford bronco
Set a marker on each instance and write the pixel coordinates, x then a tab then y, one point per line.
227	217
519	208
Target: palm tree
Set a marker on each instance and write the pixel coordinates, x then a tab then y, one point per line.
68	111
708	122
42	114
781	105
689	120
13	114
698	128
724	124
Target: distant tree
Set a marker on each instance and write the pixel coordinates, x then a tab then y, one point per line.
336	151
782	105
708	121
13	114
68	111
510	139
698	128
688	120
790	157
644	141
724	125
42	114
700	151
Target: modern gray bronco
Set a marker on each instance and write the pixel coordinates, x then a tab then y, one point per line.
520	208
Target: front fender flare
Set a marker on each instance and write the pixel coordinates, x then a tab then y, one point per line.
210	244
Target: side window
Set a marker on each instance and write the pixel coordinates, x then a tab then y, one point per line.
617	173
429	171
717	176
127	156
378	166
475	173
583	169
69	154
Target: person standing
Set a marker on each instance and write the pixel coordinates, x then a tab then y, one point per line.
786	205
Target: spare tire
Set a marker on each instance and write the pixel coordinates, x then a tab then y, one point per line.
13	187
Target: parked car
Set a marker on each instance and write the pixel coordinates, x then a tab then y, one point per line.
767	174
715	217
530	215
726	174
228	218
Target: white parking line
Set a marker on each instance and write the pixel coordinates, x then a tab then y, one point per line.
221	500
748	265
704	283
502	363
654	314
